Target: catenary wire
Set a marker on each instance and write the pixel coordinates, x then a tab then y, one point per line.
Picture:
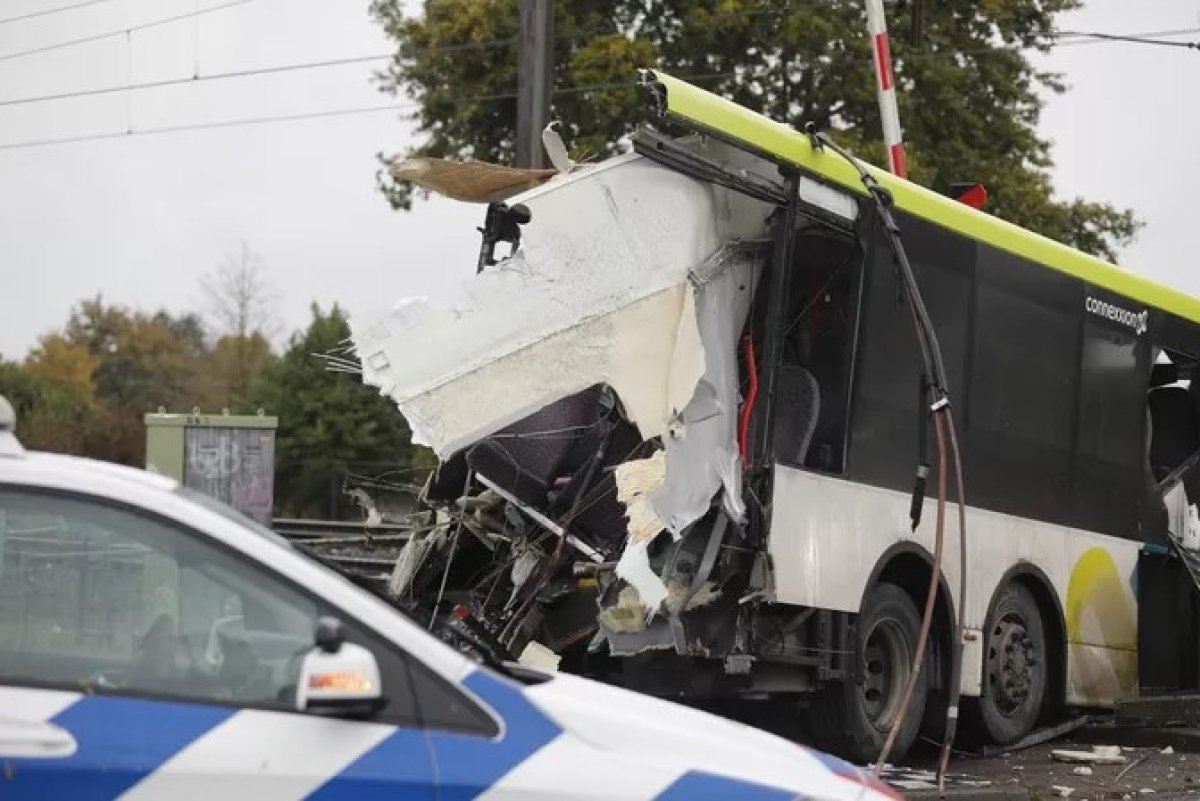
202	126
283	68
1149	39
278	118
47	12
194	79
352	60
97	37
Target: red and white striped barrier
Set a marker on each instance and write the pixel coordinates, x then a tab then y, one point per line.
885	84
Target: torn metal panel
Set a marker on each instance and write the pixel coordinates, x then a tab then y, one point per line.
629	349
595	295
702	455
675	487
613	327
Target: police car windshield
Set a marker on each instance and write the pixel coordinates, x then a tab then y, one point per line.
452	635
231	514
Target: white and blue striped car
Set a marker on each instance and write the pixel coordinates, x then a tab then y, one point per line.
156	645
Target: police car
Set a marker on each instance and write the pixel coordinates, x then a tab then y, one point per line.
154	644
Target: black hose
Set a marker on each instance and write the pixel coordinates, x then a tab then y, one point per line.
939	410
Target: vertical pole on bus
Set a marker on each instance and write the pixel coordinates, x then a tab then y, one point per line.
885	85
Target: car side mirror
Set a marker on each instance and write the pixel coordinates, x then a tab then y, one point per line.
338	677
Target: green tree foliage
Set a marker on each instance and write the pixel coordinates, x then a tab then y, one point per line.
51	415
85	391
968	93
58	360
229	371
329	422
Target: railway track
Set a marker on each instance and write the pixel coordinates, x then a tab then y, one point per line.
368	550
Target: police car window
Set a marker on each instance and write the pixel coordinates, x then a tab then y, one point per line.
96	596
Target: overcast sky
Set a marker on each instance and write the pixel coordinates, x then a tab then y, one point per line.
141	218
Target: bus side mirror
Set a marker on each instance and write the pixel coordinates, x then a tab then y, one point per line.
338	677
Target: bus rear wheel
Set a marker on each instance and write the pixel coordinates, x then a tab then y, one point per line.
853	717
1014	669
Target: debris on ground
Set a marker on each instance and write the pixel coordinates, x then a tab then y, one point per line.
915	780
1129	767
1099	755
1167	750
1030	774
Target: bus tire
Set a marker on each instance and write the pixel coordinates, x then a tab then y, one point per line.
852	718
1015	667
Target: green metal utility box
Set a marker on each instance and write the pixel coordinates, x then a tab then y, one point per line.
227	457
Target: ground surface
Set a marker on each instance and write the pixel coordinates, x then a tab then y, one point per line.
1147	773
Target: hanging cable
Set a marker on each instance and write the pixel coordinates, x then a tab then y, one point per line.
938	400
930	599
960	625
937	409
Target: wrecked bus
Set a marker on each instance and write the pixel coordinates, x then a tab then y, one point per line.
679	411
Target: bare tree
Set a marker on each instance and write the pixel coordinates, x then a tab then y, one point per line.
240	305
239	299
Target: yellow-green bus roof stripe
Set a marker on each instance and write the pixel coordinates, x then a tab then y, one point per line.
781	142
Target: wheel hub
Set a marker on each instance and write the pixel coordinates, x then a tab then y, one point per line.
1012	659
887	662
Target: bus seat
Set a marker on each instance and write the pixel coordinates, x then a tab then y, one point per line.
1176	429
798	399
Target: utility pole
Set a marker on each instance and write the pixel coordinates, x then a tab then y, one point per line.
535	79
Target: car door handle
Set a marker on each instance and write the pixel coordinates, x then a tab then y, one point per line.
31	739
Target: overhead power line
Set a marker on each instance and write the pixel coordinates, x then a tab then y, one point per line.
1149	39
1077	38
47	12
248	121
191	79
122	32
351	60
204	126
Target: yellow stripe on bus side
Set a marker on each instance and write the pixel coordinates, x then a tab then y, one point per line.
781	142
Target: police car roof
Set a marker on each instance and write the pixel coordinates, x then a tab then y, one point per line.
56	469
73	468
